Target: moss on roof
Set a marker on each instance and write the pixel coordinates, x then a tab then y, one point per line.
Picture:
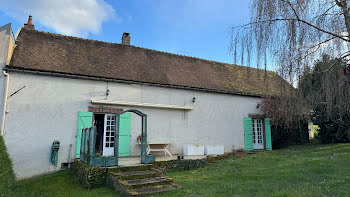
43	51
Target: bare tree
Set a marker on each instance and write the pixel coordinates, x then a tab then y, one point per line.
291	33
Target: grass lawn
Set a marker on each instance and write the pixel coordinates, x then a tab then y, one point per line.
59	184
308	170
7	179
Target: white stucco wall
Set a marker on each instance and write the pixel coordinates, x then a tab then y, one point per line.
47	110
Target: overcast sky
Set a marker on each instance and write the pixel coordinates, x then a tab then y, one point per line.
189	27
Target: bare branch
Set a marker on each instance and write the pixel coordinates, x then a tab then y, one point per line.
343	56
299	20
318	45
291	6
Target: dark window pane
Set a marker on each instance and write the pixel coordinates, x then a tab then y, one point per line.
112	145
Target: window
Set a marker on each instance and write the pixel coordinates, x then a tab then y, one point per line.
257	130
109	137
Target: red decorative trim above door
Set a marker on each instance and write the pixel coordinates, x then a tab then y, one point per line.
102	109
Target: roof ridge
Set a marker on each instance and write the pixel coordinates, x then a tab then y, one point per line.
153	50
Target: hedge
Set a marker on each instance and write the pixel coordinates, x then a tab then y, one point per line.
89	176
188	164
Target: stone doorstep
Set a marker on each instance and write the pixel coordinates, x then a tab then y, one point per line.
136	174
140	167
152	190
157	170
136	183
132	173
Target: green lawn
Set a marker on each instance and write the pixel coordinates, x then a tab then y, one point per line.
59	184
7	180
309	170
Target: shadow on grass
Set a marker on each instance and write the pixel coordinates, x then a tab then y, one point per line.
62	183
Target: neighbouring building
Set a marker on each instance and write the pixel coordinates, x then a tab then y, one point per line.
59	84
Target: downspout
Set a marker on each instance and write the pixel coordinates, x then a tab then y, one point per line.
5	103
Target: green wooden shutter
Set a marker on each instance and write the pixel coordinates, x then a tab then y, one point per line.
124	135
248	133
268	134
84	121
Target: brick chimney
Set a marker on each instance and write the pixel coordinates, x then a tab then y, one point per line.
126	38
29	24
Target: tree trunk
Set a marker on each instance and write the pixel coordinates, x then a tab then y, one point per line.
344	6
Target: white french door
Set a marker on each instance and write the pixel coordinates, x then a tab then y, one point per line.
258	139
108	135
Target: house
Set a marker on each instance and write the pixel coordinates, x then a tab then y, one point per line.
54	86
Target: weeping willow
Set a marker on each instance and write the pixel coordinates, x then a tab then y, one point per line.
288	36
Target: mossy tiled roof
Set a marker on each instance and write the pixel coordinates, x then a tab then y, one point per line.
49	52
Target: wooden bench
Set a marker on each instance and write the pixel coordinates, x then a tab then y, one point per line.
160	147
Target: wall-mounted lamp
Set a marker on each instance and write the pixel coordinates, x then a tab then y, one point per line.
193	99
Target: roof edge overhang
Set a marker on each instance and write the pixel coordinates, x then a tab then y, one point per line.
138	104
96	78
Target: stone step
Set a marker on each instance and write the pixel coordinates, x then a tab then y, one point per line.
139	180
136	174
139	183
141	167
152	190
